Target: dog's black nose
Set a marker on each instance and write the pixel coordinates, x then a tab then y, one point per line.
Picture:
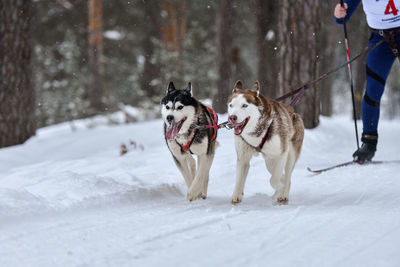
233	118
170	118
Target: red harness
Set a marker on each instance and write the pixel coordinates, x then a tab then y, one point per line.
214	125
186	147
214	122
261	145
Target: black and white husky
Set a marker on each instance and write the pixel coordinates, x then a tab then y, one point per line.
190	129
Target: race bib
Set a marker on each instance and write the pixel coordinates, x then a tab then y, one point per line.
382	14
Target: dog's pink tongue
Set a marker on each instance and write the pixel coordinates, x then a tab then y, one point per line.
172	131
237	127
238	131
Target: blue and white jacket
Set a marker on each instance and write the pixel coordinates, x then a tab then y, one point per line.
381	14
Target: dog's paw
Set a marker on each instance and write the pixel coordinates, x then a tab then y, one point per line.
236	199
193	195
282	201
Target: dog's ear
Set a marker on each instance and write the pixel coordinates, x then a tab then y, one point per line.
189	89
256	88
238	86
170	88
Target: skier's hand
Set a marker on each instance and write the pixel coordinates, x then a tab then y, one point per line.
341	12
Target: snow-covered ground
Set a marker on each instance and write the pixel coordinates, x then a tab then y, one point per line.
67	198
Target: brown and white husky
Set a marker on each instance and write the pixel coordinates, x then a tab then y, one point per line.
268	127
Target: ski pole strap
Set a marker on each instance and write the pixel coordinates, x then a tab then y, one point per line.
323	76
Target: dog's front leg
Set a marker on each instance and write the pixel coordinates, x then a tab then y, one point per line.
210	155
196	190
244	153
291	161
277	181
192	168
186	166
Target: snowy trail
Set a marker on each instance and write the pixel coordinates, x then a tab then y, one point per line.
68	199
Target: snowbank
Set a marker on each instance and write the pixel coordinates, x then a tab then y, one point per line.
67	198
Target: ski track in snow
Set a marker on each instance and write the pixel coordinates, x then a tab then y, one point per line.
68	199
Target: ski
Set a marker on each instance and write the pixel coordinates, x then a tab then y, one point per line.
349	163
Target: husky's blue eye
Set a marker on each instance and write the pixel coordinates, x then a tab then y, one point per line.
244	106
180	107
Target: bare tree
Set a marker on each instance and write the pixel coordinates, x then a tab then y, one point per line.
17	101
298	25
151	70
393	90
96	66
267	63
327	44
225	19
173	31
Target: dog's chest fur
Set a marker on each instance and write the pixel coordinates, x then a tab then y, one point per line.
275	120
198	148
200	139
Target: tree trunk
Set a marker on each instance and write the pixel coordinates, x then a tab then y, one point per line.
327	47
151	70
96	68
173	32
393	90
298	25
224	55
17	101
181	29
174	28
267	63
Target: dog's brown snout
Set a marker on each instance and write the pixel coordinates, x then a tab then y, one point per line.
170	118
233	118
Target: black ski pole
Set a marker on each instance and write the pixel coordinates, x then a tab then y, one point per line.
350	76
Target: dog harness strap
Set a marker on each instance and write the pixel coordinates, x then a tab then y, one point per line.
393	44
186	147
261	145
390	37
214	126
214	121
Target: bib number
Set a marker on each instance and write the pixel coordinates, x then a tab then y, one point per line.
391	8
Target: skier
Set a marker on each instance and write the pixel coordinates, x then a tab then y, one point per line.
383	18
